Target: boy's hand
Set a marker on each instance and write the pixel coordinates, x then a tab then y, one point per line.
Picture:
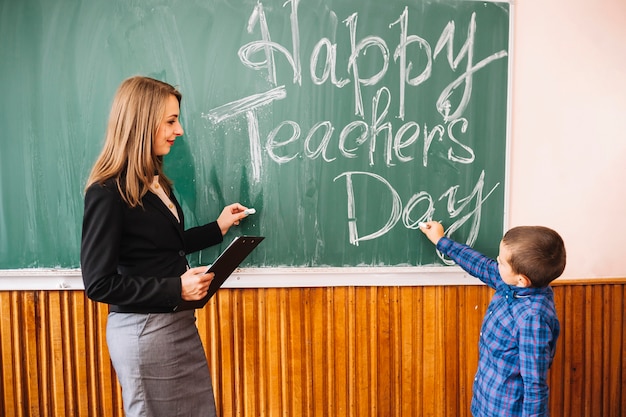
433	230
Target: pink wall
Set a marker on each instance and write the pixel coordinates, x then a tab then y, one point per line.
568	131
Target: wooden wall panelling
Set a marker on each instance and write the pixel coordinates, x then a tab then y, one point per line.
7	353
364	351
588	376
329	351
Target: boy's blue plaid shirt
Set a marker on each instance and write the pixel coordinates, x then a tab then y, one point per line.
517	341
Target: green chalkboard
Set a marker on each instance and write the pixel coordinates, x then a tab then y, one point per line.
343	122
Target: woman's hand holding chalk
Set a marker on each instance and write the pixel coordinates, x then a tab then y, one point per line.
249	211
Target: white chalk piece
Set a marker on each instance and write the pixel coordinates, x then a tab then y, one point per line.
249	211
423	224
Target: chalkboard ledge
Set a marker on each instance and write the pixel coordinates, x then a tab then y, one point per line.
70	279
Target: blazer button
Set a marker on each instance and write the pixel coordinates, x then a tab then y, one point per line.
181	252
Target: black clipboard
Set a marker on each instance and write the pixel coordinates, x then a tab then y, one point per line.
225	264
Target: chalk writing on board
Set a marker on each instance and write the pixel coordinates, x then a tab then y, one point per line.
398	212
262	54
248	105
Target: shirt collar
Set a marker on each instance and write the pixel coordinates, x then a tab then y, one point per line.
511	292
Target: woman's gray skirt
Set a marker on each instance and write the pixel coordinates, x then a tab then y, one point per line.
161	365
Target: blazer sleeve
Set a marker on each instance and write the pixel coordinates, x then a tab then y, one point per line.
103	222
201	237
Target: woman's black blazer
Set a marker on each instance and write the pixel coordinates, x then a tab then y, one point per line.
132	258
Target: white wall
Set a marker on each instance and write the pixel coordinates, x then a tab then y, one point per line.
568	131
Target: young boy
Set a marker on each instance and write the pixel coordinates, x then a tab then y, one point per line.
519	331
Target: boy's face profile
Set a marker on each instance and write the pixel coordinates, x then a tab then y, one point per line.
506	272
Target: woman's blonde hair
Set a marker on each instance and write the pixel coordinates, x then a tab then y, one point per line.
137	111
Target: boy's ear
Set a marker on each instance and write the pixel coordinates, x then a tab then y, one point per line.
524	281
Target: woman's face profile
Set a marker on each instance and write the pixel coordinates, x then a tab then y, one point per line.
169	128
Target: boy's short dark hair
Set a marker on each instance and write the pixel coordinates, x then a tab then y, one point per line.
537	252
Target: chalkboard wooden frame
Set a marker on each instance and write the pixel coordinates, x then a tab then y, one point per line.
71	279
61	113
